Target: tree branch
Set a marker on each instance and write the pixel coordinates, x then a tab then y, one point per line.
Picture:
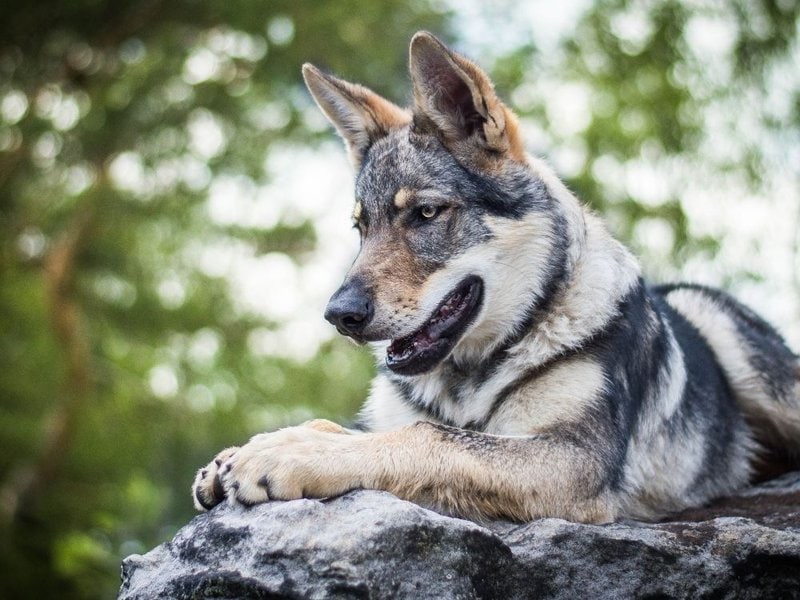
69	327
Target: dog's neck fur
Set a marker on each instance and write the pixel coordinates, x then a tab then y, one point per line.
599	273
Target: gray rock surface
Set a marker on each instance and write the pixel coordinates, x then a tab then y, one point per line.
372	545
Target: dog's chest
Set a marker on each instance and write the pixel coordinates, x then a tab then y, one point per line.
509	400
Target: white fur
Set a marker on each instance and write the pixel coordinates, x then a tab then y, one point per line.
385	409
719	330
559	396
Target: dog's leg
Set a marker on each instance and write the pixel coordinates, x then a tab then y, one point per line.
207	489
456	471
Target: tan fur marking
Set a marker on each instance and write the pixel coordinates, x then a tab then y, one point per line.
402	197
386	114
500	129
467	476
396	276
482	481
516	147
359	114
324	425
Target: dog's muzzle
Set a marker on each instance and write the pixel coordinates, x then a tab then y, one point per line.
351	309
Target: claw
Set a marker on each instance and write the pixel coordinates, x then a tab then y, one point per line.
198	493
217	489
264	482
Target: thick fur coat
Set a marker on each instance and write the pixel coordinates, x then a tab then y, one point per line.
525	369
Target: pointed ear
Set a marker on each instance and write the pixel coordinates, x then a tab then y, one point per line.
360	115
457	98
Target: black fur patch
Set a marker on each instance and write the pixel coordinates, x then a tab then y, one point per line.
557	277
767	353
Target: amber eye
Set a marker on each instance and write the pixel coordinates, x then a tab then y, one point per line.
428	212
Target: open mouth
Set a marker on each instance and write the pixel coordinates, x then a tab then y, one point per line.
425	348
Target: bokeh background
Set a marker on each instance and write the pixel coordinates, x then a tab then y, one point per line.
174	213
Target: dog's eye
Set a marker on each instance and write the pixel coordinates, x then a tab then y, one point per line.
428	211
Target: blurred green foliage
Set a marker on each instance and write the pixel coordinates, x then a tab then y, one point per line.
95	465
124	366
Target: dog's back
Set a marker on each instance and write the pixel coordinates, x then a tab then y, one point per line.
715	393
762	372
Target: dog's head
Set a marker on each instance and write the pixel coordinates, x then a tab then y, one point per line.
459	233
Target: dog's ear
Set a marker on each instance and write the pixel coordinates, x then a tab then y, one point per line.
453	95
360	115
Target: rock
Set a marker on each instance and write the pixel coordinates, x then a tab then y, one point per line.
369	544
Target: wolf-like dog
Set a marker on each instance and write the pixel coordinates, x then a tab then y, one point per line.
525	369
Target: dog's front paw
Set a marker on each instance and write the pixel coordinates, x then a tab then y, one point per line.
207	489
296	462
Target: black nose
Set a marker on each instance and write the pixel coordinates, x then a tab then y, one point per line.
350	308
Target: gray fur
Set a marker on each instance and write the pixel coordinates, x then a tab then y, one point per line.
565	386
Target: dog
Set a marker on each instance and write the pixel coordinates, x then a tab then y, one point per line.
525	369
